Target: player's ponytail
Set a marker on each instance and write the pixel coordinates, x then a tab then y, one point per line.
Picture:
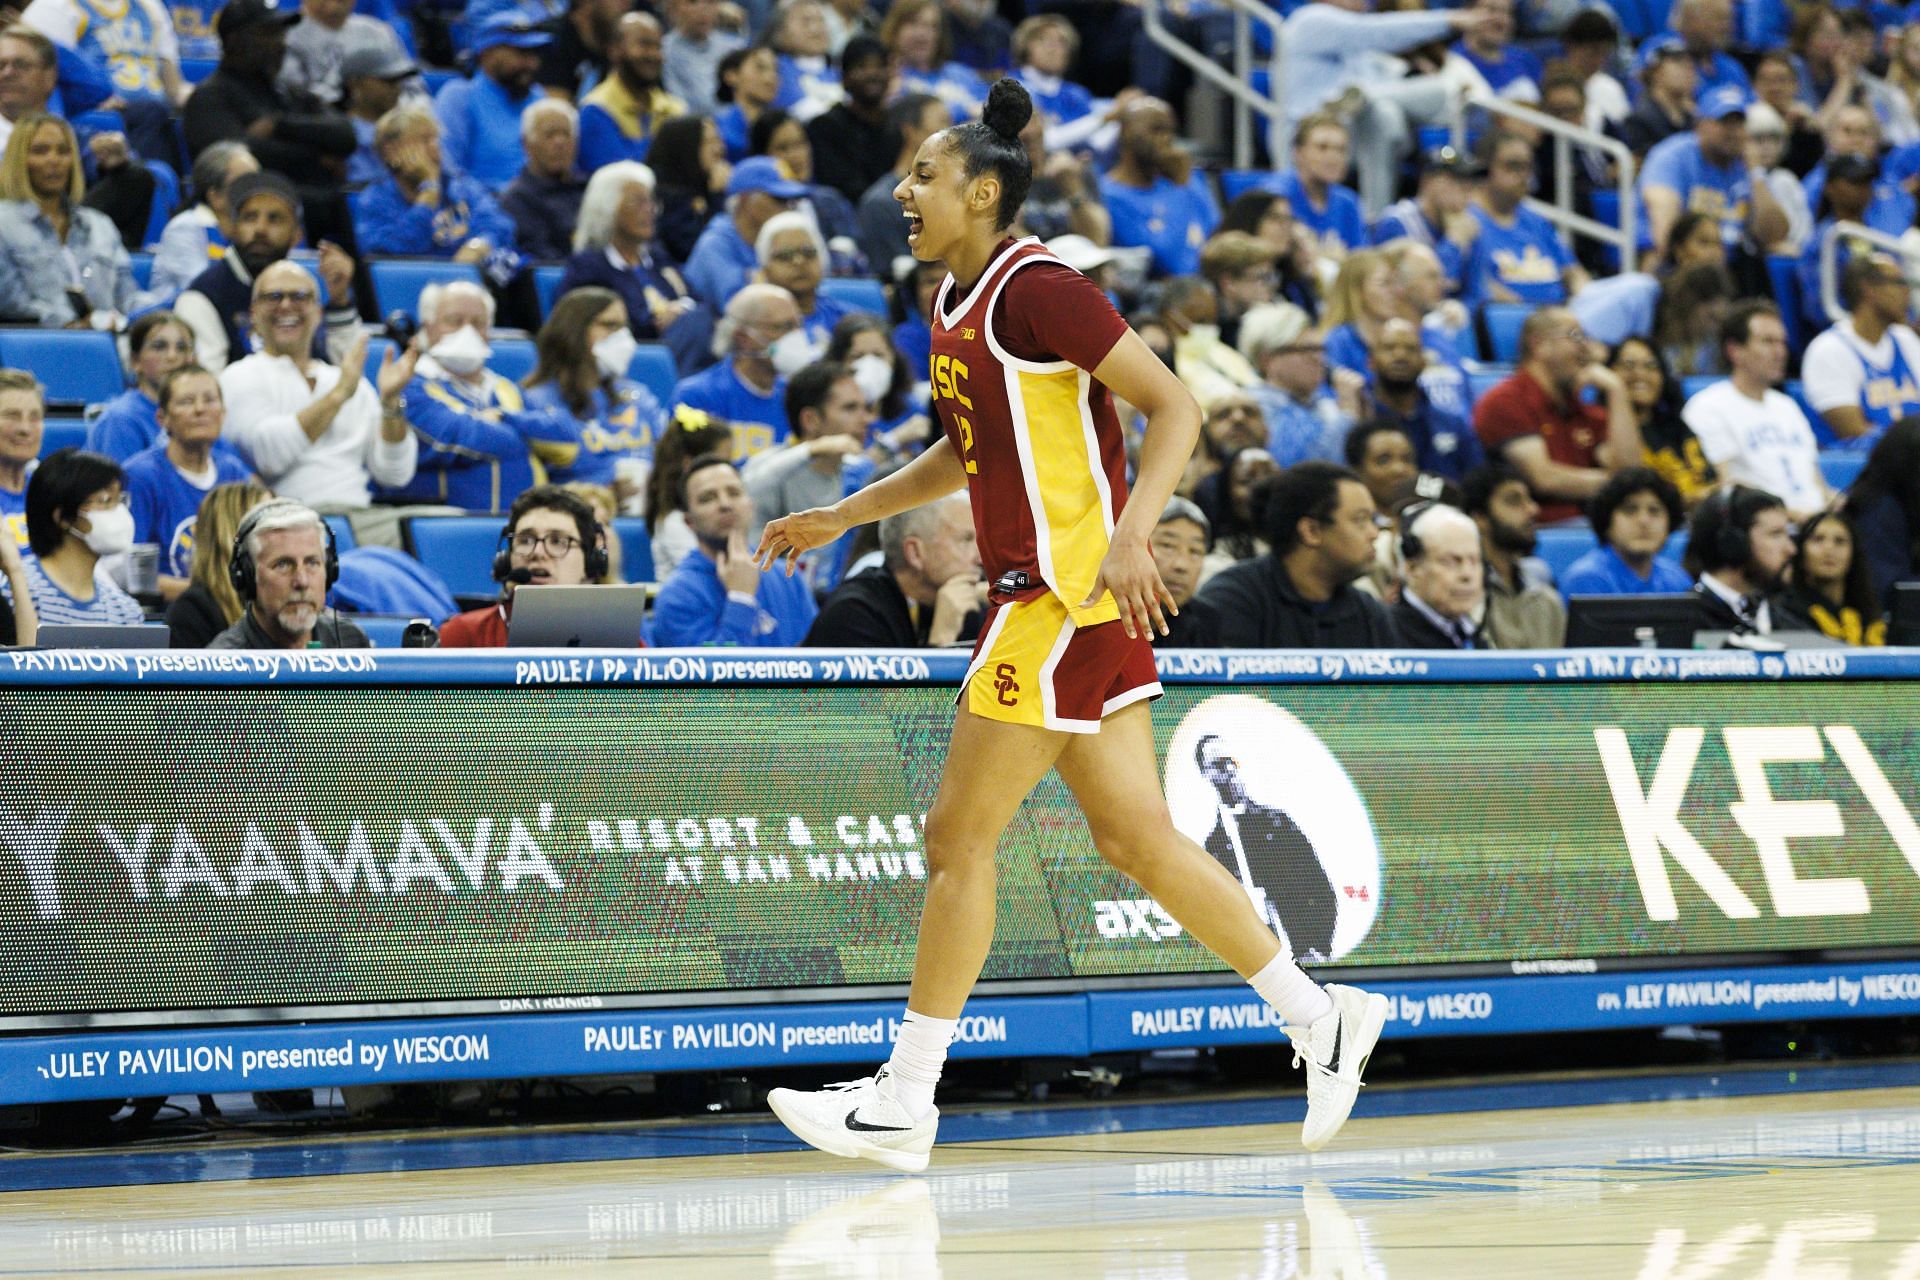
992	145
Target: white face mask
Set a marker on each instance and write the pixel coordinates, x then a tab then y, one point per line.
112	531
791	352
874	374
463	351
614	353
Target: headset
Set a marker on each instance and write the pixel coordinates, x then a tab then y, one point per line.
595	550
245	575
1732	541
1411	548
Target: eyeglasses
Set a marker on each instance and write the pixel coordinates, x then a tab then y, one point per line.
21	64
806	253
280	297
557	544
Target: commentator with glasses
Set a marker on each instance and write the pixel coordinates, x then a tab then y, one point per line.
552	538
284	563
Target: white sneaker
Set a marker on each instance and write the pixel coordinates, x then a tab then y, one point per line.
1335	1049
860	1119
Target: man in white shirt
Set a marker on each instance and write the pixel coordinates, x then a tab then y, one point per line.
316	433
1863	374
1752	434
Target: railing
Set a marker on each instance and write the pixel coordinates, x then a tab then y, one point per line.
1234	82
1830	261
1565	138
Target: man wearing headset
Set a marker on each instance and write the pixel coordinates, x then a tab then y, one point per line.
283	565
552	539
1740	542
1445	592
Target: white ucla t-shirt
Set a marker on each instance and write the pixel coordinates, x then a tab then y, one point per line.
1766	443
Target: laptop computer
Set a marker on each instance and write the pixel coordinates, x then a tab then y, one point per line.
583	617
87	635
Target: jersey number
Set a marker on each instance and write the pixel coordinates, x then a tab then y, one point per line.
948	377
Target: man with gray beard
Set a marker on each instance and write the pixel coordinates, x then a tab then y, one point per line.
283	564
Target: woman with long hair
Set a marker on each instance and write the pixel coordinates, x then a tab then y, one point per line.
580	372
1884	504
1669	443
1687	315
1831	586
920	41
1063	670
210	605
1270	217
615	247
690	171
64	264
783	137
158	343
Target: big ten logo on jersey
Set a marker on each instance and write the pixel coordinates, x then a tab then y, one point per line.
624	433
949	383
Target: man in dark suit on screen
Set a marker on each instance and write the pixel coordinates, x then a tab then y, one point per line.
1271	855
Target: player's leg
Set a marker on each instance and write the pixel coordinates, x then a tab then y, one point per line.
1114	776
890	1117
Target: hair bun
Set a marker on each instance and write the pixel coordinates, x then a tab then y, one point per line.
1008	108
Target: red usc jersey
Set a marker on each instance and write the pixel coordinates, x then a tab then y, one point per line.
1045	459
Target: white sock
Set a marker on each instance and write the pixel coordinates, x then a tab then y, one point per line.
918	1054
1282	984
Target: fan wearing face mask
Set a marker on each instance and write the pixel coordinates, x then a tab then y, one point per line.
479	441
761	344
77	514
584	350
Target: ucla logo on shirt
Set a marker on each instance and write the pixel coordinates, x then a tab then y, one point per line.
1891	393
627	434
124	35
180	549
452	223
1528	267
750	438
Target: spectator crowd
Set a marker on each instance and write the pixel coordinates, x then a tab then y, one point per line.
668	286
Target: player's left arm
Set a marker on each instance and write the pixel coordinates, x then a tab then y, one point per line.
1133	373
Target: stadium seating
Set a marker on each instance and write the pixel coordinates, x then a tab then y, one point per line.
1842	466
79	366
546	283
1504	320
857	292
63	433
385	633
398	282
142	269
653	368
343	539
460	549
636	548
513	358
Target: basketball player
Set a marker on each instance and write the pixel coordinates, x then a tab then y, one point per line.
1028	356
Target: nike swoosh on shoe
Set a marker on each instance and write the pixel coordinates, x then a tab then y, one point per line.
857	1125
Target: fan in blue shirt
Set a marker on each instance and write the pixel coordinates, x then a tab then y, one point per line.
1518	256
157	344
1155	197
166	483
716	594
1510	71
760	336
1706	172
425	207
1634	514
480	118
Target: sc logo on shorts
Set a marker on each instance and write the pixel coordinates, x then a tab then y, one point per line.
1005	687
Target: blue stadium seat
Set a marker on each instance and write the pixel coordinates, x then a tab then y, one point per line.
1485	380
856	292
546	283
636	548
1235	183
1676	548
63	433
1694	383
653	368
194	70
78	366
458	548
1503	329
512	357
397	282
1784	272
142	269
1606	208
385	632
1560	547
343	539
1840	466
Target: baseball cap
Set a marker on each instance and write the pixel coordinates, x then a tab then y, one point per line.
1722	101
1450	160
508	27
764	174
1652	51
263	183
238	15
378	62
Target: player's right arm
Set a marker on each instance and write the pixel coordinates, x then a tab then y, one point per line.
934	474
